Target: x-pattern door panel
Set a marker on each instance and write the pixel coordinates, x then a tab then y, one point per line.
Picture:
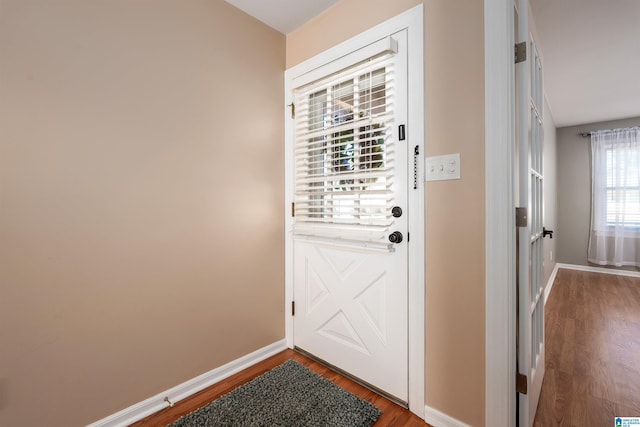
346	295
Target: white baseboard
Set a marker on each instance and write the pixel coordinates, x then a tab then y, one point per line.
438	419
156	403
614	271
552	279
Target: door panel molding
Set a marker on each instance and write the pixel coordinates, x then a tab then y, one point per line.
342	313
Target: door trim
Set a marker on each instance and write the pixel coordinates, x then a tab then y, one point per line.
500	321
412	20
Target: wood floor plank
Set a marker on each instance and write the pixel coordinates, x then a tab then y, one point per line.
592	327
393	415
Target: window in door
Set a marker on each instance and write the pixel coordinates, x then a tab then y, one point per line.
344	153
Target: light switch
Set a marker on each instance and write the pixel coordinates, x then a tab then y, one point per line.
440	168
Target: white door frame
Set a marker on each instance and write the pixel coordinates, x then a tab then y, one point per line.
412	20
500	279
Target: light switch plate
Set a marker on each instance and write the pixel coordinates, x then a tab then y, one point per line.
440	168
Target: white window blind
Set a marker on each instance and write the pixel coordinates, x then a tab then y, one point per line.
344	153
623	185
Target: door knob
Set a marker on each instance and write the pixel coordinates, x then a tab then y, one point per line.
395	237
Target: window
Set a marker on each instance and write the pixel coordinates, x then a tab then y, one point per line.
344	153
623	186
615	195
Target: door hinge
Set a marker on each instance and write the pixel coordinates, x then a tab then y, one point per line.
293	308
521	217
521	383
293	209
293	110
408	237
520	52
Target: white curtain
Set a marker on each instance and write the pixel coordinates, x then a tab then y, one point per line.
615	196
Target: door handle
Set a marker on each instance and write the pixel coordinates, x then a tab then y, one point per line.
546	233
395	237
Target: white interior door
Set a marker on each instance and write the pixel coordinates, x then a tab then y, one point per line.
350	228
529	101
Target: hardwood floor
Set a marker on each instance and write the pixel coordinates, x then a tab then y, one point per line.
592	350
592	326
392	414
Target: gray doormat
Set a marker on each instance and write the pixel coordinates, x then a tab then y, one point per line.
289	395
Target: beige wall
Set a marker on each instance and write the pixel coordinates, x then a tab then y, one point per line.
454	123
574	188
141	218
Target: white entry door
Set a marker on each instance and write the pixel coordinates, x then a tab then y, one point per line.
350	228
529	103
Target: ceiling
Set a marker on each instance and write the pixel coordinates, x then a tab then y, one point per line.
590	49
591	54
283	15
